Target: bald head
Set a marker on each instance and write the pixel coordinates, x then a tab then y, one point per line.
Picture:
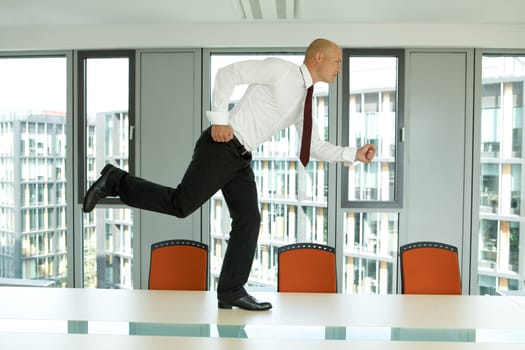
319	46
323	59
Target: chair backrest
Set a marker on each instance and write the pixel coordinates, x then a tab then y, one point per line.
429	268
306	267
178	264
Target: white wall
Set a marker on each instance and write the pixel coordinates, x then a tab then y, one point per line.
264	35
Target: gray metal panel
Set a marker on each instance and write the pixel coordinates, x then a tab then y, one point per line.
169	108
435	148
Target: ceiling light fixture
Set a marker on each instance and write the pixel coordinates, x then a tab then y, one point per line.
267	9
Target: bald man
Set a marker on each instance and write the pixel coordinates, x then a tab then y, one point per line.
221	160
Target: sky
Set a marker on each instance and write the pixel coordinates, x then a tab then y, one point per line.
40	84
33	83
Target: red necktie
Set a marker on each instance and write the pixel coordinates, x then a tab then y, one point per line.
304	155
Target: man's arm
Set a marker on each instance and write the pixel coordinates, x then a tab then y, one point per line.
267	71
326	151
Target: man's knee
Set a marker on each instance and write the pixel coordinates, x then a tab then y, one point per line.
182	213
248	222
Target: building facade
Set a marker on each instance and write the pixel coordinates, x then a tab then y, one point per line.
501	267
33	196
108	232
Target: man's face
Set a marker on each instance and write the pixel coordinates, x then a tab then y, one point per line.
331	64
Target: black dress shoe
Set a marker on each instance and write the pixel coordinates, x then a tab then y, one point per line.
100	189
247	302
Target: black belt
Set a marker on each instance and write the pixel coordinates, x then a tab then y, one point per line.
242	150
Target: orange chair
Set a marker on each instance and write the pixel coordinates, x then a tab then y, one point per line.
306	267
429	268
178	264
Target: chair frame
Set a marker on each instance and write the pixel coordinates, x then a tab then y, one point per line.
294	246
423	244
181	242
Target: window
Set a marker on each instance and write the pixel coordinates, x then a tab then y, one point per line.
501	164
372	113
33	121
370	240
293	200
106	108
372	110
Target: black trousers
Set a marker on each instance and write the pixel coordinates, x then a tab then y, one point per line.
214	166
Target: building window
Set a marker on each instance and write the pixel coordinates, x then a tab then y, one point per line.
106	109
372	110
501	176
33	120
372	113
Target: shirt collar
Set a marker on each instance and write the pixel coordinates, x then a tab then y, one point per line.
308	81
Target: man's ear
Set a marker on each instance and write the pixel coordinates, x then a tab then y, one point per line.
318	56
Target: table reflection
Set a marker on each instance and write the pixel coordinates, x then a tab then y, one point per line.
264	331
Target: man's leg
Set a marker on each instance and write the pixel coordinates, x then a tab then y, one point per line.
241	197
212	166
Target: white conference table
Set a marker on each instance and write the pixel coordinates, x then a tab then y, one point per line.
139	319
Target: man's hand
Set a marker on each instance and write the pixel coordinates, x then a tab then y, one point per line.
366	153
221	133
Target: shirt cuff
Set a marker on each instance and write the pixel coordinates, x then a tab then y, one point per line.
349	155
218	118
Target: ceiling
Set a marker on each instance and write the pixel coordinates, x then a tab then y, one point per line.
60	13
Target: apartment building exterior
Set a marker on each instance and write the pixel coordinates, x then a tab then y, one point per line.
33	196
501	267
108	232
33	244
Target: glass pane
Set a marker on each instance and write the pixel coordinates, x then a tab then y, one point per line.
488	239
33	124
370	252
108	248
293	200
372	106
501	164
108	232
489	188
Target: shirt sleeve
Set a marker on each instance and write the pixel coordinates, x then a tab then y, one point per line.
325	151
267	71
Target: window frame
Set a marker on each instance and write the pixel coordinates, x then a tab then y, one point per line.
82	57
397	202
476	276
68	166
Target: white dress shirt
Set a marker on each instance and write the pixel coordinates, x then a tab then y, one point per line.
273	101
